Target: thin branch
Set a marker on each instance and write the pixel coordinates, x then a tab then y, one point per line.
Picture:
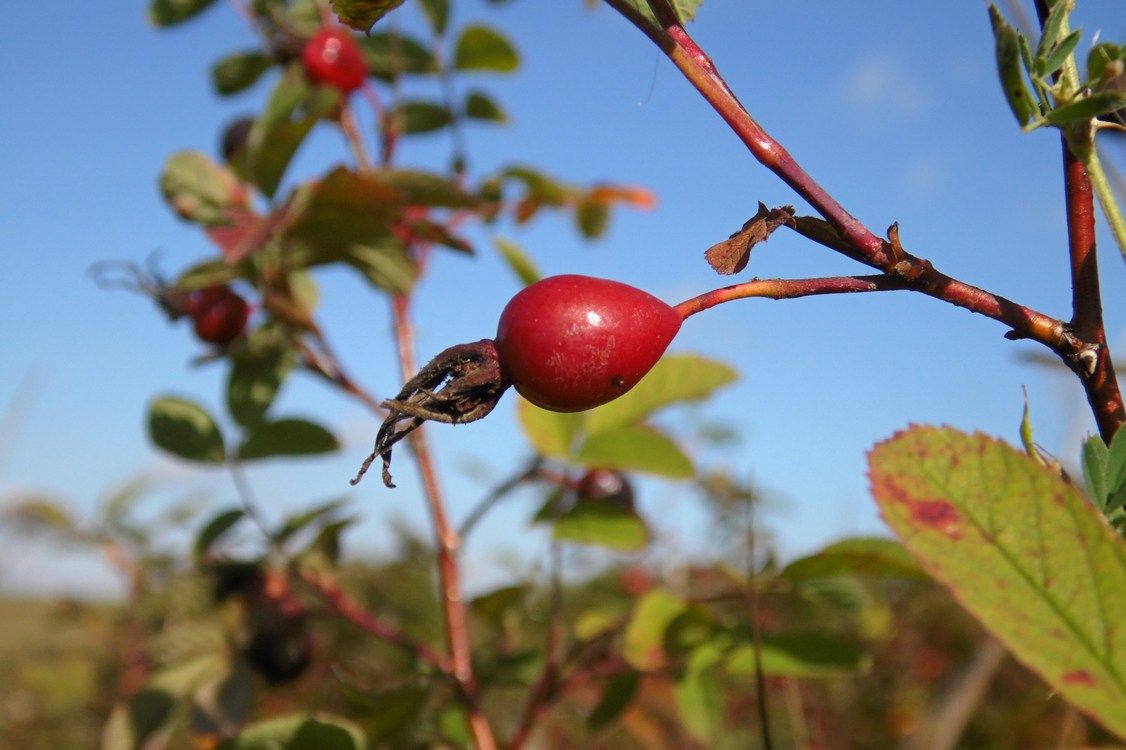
547	687
497	494
351	610
1089	359
755	606
455	617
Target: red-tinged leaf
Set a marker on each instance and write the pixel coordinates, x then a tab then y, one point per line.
638	197
243	233
1020	549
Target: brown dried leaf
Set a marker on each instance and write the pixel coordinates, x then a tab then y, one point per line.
731	255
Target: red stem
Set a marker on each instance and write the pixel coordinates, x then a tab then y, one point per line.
1089	358
449	577
1096	371
352	611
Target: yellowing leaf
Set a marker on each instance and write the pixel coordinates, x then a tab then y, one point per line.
675	378
1020	549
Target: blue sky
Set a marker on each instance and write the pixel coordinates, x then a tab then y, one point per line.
894	107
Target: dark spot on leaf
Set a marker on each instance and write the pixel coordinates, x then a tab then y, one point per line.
1078	677
939	515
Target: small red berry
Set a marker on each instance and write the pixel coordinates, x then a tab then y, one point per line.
218	314
333	58
606	486
570	343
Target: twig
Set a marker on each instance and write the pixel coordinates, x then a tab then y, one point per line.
1088	359
453	606
1097	372
497	494
352	611
548	685
756	628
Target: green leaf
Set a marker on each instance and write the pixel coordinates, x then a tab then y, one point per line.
344	209
496	607
390	54
643	648
209	273
1021	550
635	447
618	694
699	694
239	71
34	514
1104	471
1098	59
417	116
292	110
393	711
1010	68
130	725
185	429
479	106
418	188
1050	33
296	523
804	655
197	188
219	525
685	10
257	374
518	261
485	48
1087	108
361	15
592	217
550	433
602	524
1058	56
172	12
675	378
387	266
871	558
222	706
298	732
287	437
437	13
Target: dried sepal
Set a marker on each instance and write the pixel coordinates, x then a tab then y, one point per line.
462	384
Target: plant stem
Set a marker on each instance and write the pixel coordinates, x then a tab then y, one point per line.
788	289
1095	372
1088	358
352	611
548	684
453	606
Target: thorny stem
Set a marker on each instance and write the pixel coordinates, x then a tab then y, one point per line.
1089	359
453	606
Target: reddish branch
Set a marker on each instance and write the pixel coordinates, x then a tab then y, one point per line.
449	578
1081	345
1096	370
354	612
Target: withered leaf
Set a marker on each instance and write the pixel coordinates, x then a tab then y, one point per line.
731	255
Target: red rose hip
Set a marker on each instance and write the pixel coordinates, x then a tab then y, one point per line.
570	343
333	58
218	314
